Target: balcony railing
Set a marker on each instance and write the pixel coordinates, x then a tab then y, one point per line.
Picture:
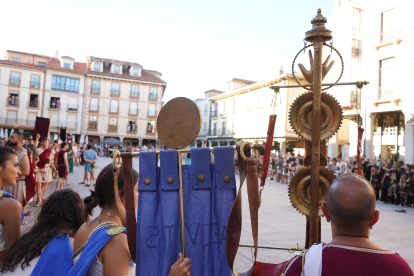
112	127
59	124
115	92
17	122
135	94
34	104
92	126
153	96
95	90
66	88
222	132
152	113
133	111
388	92
34	85
93	108
54	105
113	109
15	81
132	128
150	131
390	36
13	102
214	114
73	107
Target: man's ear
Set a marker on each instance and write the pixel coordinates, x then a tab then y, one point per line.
324	208
374	219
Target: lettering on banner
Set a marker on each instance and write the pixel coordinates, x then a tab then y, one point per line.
199	233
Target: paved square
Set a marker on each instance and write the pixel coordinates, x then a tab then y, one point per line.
281	225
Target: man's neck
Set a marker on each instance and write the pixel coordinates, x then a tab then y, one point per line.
18	147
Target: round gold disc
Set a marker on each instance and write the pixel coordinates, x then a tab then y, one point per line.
299	189
178	123
300	116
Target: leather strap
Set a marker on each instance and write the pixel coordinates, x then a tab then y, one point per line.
129	204
268	148
234	225
360	132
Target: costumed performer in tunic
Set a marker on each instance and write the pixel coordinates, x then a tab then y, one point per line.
46	249
11	215
97	252
63	166
43	179
350	208
19	190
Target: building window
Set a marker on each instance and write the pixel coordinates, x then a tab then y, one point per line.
66	64
15	79
134	91
387	25
387	79
152	110
114	106
97	66
215	114
34	101
41	63
93	122
116	69
16	59
133	108
206	109
214	129
13	99
135	72
115	89
67	84
54	103
204	127
94	104
96	86
132	125
223	129
35	82
151	127
113	124
153	93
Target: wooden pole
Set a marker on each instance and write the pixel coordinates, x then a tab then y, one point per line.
316	134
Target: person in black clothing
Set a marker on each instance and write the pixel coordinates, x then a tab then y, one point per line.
385	187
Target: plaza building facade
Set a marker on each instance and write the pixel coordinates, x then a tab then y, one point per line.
376	39
122	101
242	113
22	79
98	99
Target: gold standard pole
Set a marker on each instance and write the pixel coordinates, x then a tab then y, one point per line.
180	175
316	134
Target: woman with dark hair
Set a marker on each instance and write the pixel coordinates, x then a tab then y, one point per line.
46	249
11	215
101	246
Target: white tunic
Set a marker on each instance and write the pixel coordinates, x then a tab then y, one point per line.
96	268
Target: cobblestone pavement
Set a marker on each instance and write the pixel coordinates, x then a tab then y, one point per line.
281	225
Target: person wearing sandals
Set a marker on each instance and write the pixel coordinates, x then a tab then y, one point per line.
98	251
11	215
90	157
46	249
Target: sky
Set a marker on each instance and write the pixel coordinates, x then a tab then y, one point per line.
196	45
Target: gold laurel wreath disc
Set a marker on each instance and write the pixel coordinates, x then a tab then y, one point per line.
299	189
300	116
